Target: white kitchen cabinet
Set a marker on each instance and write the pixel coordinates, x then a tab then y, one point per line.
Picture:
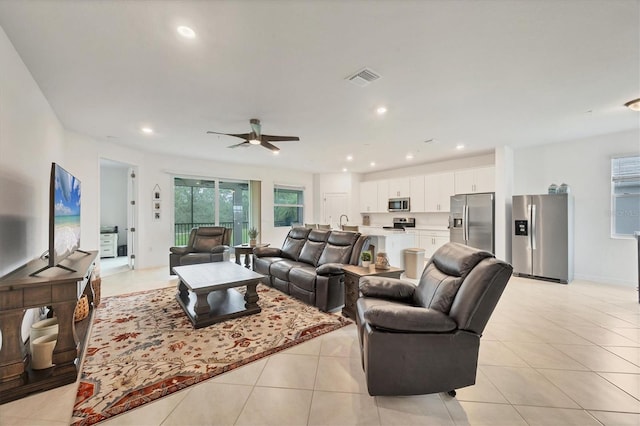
383	196
368	197
431	241
400	187
475	180
417	194
438	189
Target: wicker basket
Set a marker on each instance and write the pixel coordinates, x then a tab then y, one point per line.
82	309
95	286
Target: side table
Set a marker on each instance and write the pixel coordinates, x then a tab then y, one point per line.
352	275
247	251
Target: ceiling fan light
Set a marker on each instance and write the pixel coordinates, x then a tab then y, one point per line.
254	142
634	104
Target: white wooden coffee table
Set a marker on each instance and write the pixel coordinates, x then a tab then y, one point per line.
207	294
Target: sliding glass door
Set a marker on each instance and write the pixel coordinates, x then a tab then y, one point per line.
211	203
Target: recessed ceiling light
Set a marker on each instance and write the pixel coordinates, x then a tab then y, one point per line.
186	32
276	152
459	146
349	157
147	130
409	156
372	164
344	169
634	104
381	110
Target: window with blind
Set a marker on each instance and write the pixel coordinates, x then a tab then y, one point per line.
288	205
625	196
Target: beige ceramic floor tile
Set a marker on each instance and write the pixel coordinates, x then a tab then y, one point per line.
150	414
497	353
289	371
591	391
210	404
412	410
608	418
333	408
630	383
20	421
630	354
482	391
602	336
543	355
543	416
55	405
311	347
339	374
597	359
340	344
245	375
474	413
525	386
277	407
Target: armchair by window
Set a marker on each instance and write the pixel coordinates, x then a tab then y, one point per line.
425	339
206	244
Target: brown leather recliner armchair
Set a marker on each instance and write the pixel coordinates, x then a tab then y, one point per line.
206	244
425	339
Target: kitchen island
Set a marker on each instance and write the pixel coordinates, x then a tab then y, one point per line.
391	242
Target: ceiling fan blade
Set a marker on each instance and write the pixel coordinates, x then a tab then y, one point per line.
279	138
269	146
255	126
236	135
245	144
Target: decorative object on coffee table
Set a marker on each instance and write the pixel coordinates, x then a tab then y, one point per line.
366	259
253	234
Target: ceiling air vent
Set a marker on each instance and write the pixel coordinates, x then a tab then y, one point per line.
363	77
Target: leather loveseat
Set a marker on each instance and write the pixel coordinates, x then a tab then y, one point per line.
425	339
309	264
206	244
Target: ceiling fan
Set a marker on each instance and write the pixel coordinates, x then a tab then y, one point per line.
255	137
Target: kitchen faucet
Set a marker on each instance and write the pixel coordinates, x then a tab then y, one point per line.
341	219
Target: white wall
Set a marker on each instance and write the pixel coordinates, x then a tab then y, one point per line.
329	183
585	166
113	200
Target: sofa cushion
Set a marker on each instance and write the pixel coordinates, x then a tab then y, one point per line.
339	247
281	269
293	243
458	259
303	277
262	265
437	290
206	243
313	247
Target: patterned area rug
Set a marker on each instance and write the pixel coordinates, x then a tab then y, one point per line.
143	347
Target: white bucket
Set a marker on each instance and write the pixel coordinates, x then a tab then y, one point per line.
43	328
42	351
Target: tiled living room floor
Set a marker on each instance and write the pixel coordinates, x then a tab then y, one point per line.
552	354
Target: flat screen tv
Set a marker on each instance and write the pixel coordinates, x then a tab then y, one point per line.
64	217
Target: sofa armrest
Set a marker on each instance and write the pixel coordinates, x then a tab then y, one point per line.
387	288
219	249
181	250
267	252
330	269
409	318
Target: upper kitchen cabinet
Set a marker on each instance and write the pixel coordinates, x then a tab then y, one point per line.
383	195
399	187
369	197
475	180
417	194
438	188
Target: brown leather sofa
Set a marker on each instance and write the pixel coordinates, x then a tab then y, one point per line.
309	264
425	339
206	244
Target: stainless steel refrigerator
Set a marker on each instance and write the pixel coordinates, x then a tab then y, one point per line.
471	221
542	237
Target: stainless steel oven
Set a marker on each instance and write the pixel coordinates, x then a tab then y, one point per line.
399	205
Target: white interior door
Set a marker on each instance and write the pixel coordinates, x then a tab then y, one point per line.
334	205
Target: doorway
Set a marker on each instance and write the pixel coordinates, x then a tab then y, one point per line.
335	204
117	216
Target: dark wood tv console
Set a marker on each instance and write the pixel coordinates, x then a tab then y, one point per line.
53	287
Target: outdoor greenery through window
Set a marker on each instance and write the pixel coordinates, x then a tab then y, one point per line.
288	203
625	196
211	203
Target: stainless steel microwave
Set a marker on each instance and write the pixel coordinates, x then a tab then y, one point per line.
399	205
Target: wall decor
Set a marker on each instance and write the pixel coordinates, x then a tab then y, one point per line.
156	197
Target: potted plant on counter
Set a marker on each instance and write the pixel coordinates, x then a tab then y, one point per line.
253	234
366	258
